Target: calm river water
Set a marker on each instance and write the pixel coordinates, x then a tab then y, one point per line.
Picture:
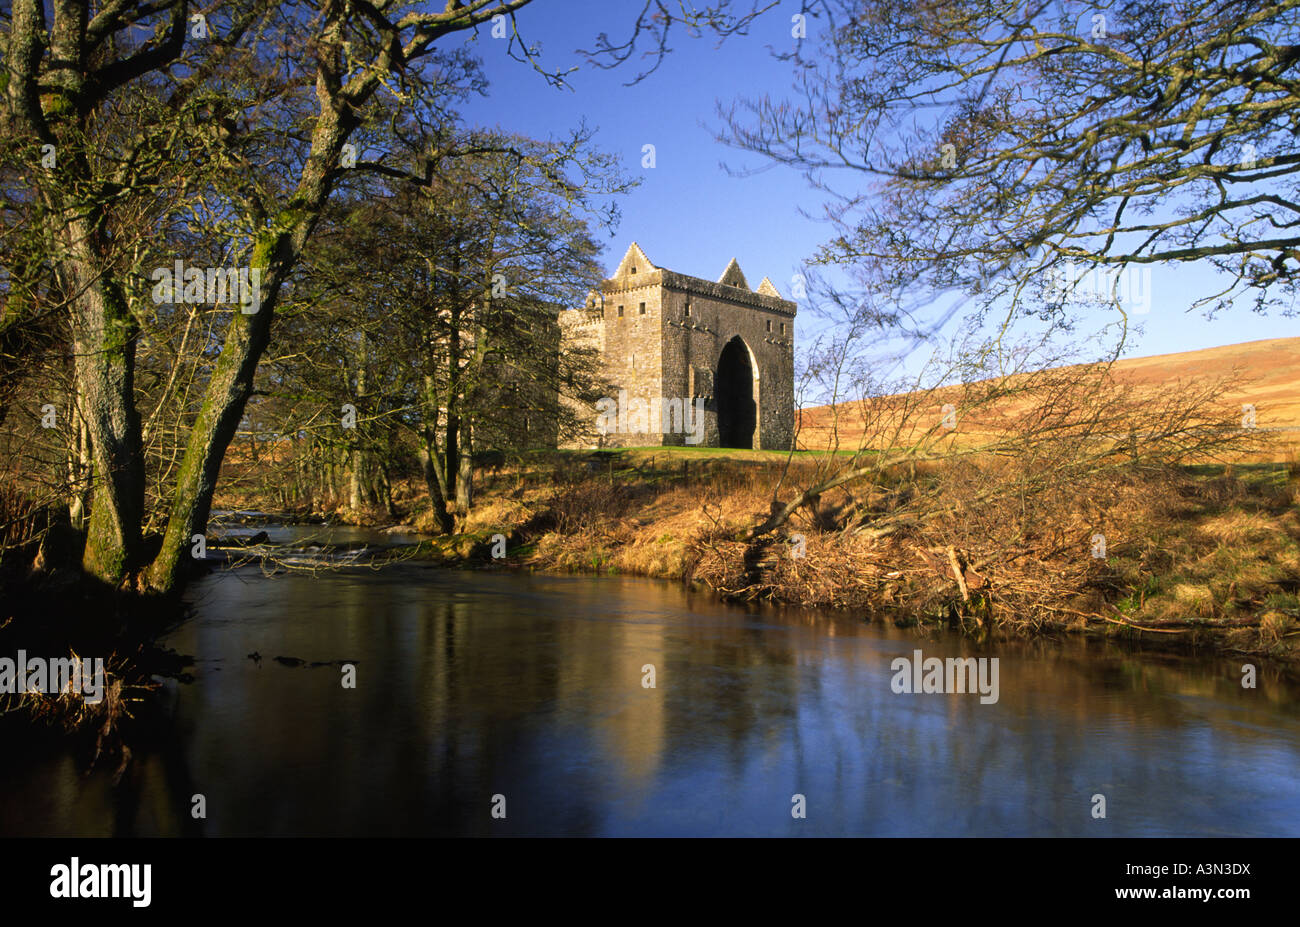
472	685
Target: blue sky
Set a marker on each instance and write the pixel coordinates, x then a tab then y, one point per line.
689	214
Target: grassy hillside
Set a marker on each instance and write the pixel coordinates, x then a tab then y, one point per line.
1268	371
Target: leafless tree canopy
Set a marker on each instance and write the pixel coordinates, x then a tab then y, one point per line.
978	144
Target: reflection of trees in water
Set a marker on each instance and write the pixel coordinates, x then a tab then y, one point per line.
154	795
64	790
531	687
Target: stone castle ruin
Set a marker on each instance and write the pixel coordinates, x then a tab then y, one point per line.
690	361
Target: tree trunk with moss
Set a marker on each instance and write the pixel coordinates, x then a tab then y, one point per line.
104	334
231	383
227	393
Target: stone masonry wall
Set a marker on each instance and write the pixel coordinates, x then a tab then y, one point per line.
664	351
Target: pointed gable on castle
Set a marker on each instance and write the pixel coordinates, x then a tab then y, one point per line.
634	262
732	276
767	288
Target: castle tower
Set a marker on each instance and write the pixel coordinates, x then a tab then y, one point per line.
673	344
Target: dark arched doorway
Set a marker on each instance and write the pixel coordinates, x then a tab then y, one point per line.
734	388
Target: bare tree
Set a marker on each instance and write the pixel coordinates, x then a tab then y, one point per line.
1005	149
435	310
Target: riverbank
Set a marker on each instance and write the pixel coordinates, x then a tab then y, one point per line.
1175	558
1184	559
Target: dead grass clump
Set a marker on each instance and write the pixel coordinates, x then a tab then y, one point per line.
580	553
69	710
1193	600
1237	527
1275	625
661	557
493	513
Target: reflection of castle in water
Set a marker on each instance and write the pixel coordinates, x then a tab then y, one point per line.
531	687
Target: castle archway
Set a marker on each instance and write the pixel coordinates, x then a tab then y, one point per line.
735	386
